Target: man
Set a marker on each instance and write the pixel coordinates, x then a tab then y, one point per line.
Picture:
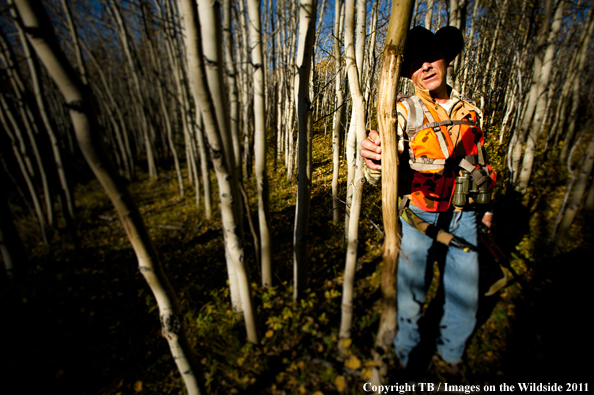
436	156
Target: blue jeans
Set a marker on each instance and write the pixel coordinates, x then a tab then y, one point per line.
460	282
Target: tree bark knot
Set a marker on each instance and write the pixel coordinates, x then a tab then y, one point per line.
171	326
76	105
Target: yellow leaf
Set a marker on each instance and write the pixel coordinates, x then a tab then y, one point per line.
346	343
370	363
269	333
318	393
353	363
138	386
300	364
302	390
340	383
366	373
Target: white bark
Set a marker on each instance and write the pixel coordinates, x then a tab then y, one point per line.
210	28
255	36
227	192
358	122
578	192
135	73
352	150
578	79
532	96
541	102
429	14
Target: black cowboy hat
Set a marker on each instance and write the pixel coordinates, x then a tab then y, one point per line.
422	43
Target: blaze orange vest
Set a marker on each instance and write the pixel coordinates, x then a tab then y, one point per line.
430	152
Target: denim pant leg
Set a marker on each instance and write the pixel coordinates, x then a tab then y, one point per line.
412	264
460	279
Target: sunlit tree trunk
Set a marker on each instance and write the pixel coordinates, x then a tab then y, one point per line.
578	78
257	57
429	14
579	191
532	95
210	28
388	88
305	53
541	102
358	121
40	33
227	192
351	140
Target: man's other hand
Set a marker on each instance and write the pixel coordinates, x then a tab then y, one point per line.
371	151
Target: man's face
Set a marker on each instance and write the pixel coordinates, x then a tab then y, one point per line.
429	72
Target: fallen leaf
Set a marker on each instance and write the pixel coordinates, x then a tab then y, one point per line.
353	363
340	383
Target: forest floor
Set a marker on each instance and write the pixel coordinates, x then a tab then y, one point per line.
81	320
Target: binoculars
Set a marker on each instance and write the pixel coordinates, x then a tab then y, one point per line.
467	187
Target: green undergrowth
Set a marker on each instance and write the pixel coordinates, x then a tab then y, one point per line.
90	325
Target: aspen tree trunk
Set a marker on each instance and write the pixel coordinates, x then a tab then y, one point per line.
255	35
76	44
578	79
192	123
200	146
429	14
211	31
227	192
126	151
5	113
541	102
338	102
510	101
157	70
246	87
454	20
40	33
562	98
360	34
358	121
532	96
305	53
232	85
210	28
352	149
467	53
579	191
387	90
66	192
491	55
135	71
29	126
371	59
